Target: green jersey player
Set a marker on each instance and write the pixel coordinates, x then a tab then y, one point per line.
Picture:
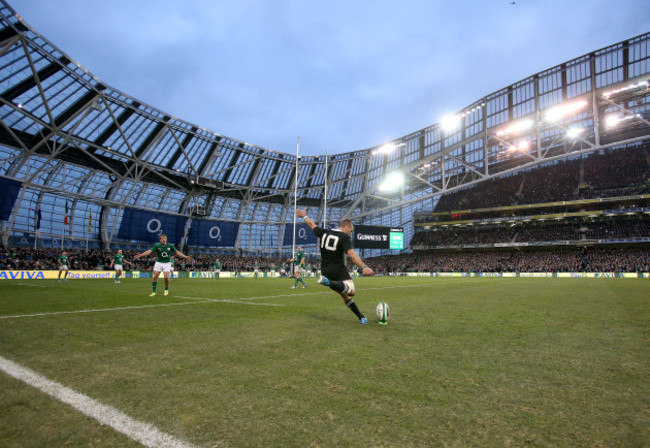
299	261
64	262
217	268
164	253
118	263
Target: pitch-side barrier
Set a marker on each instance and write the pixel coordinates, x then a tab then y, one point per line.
86	275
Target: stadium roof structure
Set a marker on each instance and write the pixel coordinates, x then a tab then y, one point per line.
70	140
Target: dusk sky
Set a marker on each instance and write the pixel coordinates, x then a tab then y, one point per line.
341	75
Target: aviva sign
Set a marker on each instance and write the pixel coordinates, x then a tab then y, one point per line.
53	275
22	275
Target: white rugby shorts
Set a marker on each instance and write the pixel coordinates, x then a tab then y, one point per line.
162	267
350	284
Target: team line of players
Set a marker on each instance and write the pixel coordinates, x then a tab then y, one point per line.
335	244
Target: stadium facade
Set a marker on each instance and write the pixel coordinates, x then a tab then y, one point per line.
84	164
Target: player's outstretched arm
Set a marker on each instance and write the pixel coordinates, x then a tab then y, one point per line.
307	219
365	270
182	255
143	254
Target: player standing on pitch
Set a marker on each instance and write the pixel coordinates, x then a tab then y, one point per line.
164	253
298	261
334	245
217	268
64	262
118	261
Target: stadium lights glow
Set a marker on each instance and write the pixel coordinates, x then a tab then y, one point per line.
557	113
643	84
450	122
387	148
516	127
392	182
612	120
574	132
523	146
472	110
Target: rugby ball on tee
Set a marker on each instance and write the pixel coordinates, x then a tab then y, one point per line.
383	312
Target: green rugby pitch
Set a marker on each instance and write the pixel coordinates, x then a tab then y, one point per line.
251	363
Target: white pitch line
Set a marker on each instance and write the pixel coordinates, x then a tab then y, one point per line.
27	284
196	300
248	303
98	310
329	291
243	299
144	433
239	301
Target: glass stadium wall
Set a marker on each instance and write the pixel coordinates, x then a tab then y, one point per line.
81	149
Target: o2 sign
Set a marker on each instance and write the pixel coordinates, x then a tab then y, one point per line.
215	233
154	226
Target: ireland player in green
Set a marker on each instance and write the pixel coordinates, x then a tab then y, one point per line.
117	262
299	261
64	262
217	268
164	253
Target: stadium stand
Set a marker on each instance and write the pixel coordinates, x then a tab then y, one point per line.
610	173
572	260
89	168
600	260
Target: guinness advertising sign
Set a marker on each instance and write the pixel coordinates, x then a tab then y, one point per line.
378	237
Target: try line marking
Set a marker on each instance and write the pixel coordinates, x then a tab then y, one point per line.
144	433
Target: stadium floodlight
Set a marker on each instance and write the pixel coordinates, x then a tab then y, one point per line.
612	120
557	113
574	133
638	85
392	182
387	148
516	127
523	146
450	122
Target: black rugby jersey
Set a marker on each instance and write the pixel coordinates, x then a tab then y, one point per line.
334	244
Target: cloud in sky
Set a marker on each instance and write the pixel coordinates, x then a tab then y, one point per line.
342	75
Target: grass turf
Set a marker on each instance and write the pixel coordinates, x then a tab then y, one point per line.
251	363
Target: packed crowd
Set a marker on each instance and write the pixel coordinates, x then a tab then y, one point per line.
593	260
610	173
612	260
532	232
21	258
